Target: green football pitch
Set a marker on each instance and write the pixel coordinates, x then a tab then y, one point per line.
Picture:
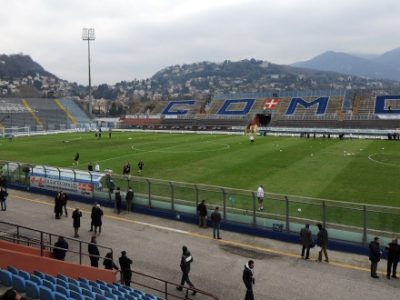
365	171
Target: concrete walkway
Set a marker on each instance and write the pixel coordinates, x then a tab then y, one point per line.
155	246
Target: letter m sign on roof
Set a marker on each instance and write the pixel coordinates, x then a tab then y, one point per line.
322	103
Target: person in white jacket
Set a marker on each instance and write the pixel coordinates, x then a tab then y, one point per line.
260	197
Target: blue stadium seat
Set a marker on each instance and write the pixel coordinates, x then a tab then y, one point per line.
85	285
74	288
74	281
39	274
88	298
59	296
138	292
97	290
135	294
104	288
62	277
147	298
24	275
61	282
110	295
75	295
50	278
13	270
151	296
18	283
49	284
36	279
5	277
100	297
62	290
88	293
117	293
32	289
92	283
84	280
129	297
46	293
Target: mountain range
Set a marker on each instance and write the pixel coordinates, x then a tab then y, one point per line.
384	66
19	66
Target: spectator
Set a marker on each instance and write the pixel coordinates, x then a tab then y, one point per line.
92	216
60	248
186	260
58	205
94	253
97	167
249	280
260	197
125	265
306	240
64	200
118	200
3	198
202	212
126	169
76	216
216	220
12	294
129	198
97	218
108	262
90	167
374	256
322	242
392	258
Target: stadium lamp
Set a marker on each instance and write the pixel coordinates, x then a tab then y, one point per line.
89	35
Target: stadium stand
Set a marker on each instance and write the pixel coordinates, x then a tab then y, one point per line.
78	114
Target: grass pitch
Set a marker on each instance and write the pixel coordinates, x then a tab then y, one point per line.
365	171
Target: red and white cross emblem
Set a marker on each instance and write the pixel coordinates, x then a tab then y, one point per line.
270	103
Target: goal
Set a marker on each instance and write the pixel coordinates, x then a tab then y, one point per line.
7	132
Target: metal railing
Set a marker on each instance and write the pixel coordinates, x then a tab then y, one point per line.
44	240
347	221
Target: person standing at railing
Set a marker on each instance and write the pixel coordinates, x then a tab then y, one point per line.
374	256
64	200
129	198
125	265
109	263
260	197
322	242
393	256
118	200
58	205
3	198
306	240
216	220
60	248
76	216
97	218
202	213
94	253
92	216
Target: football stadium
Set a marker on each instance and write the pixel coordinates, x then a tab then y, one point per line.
321	157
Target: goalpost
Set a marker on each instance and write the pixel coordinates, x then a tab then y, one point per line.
9	132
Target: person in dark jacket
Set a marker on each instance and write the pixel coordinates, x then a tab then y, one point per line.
3	198
322	242
125	265
94	253
108	262
216	220
97	218
306	240
60	248
12	294
392	258
249	280
202	213
58	205
64	200
186	260
374	256
140	167
76	216
129	198
92	215
118	200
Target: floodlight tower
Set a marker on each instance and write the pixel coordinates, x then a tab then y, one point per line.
89	35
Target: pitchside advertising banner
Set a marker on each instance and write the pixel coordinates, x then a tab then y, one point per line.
78	182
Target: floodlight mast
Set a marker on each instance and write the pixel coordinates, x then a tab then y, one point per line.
89	35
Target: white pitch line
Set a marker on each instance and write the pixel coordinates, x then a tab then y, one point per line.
380	162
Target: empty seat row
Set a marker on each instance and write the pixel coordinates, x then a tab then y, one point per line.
47	287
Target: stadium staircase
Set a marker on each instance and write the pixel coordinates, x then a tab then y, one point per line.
76	113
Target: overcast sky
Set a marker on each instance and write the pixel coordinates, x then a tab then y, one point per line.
136	38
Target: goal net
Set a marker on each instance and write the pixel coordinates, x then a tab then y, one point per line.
7	132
